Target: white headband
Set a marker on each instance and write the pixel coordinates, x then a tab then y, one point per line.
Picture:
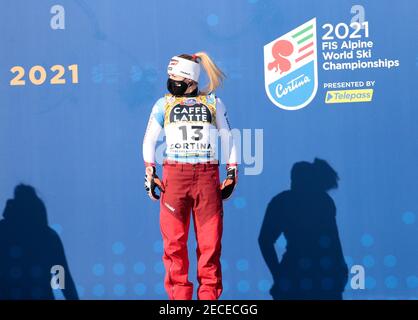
184	68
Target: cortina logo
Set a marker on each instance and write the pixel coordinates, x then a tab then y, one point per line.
291	68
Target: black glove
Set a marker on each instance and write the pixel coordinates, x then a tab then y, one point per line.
152	182
228	185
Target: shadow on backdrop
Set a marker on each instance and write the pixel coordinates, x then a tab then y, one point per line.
28	249
313	265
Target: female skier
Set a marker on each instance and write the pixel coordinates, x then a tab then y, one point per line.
190	183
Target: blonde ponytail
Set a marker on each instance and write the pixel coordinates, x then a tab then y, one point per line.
215	75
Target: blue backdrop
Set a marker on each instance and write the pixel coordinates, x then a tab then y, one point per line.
79	144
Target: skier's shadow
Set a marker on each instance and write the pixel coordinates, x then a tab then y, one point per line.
28	250
313	265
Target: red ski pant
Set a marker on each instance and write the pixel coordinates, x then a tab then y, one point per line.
191	189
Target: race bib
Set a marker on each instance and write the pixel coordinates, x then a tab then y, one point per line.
190	128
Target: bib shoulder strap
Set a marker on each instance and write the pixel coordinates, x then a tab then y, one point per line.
170	102
210	101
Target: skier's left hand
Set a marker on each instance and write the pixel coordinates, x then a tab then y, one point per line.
228	185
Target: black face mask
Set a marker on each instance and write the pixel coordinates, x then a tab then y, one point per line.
177	88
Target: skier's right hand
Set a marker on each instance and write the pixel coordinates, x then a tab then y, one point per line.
152	182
